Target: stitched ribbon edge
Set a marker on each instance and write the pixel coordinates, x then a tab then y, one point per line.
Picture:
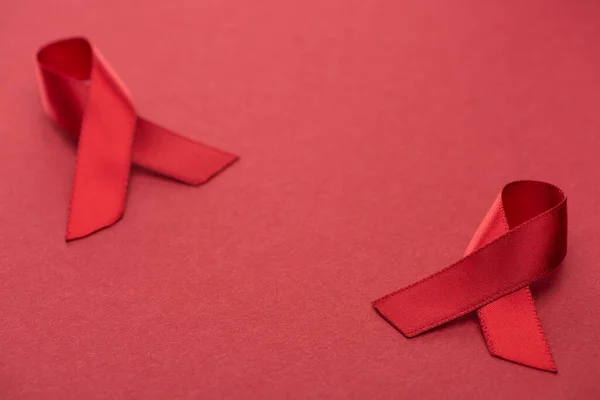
553	211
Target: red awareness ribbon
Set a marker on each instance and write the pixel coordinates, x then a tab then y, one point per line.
82	95
522	238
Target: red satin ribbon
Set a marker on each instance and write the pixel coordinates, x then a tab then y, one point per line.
522	237
86	99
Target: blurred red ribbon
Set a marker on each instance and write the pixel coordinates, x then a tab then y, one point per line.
522	237
85	98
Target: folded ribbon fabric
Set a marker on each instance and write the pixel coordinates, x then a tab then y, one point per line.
522	237
86	99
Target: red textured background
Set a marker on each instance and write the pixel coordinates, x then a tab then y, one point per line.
374	136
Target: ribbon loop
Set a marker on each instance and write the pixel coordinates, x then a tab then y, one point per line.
86	99
523	237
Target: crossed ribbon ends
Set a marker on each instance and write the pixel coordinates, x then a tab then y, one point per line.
522	238
86	99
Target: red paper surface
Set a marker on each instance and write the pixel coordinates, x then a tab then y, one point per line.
373	135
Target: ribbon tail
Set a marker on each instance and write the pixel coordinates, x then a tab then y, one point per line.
167	153
512	331
103	156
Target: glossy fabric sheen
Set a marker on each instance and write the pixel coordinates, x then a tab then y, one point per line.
374	135
86	99
523	237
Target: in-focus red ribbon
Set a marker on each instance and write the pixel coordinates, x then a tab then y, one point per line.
522	237
85	98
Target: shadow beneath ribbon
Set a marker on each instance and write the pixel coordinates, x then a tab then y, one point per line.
544	285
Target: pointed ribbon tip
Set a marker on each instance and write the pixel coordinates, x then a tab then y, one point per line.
522	238
86	99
